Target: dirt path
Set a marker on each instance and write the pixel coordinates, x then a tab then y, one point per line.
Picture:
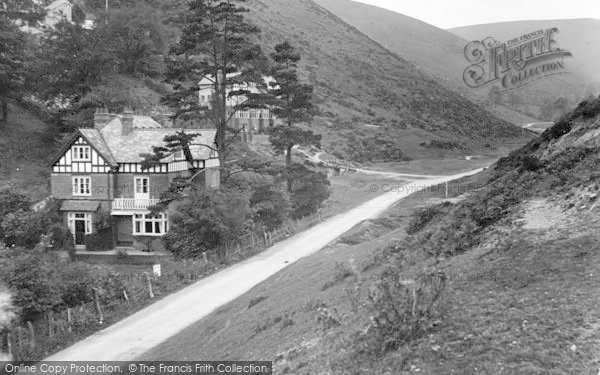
152	325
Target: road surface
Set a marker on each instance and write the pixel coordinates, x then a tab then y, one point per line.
152	325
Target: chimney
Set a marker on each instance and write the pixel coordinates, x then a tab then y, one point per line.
101	117
127	121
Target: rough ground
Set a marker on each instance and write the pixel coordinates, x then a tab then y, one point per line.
525	301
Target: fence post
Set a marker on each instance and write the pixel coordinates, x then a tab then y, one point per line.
149	284
97	304
204	257
50	330
9	344
31	334
69	320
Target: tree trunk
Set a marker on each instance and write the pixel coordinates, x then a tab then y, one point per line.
288	167
4	110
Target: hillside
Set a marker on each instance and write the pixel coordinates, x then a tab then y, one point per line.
576	35
374	105
504	274
359	82
440	54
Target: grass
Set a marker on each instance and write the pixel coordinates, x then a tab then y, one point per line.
524	305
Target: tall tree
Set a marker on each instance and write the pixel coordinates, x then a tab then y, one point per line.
134	36
217	44
292	103
71	61
13	47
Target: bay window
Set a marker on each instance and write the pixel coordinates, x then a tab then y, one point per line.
150	225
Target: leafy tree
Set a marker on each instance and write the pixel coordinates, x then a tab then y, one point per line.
205	220
270	207
135	39
33	277
292	103
14	58
216	43
72	60
309	190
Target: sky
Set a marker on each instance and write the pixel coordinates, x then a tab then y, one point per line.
453	13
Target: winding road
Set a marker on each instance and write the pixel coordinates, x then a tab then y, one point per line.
152	325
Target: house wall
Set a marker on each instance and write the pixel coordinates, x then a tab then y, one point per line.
62	186
124	184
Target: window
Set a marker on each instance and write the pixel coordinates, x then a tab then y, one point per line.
81	153
142	185
82	186
253	113
150	225
178	155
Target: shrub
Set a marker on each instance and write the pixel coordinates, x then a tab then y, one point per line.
424	216
310	190
531	163
22	228
61	237
399	312
76	284
270	208
102	240
205	220
34	279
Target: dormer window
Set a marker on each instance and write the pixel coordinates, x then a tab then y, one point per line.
81	153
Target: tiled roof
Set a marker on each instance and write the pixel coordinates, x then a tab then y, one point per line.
146	134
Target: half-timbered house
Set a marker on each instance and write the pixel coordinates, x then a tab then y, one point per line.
99	170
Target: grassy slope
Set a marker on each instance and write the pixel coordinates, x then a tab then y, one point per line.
520	300
359	82
440	53
574	35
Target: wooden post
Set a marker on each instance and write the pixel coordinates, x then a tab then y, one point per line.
9	344
31	335
69	320
50	330
446	189
97	304
204	257
125	295
149	284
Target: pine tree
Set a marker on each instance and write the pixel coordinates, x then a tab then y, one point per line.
293	104
216	43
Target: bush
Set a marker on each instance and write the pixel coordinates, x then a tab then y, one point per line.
61	237
270	208
310	190
424	216
531	163
399	312
22	228
206	220
76	284
102	240
34	279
